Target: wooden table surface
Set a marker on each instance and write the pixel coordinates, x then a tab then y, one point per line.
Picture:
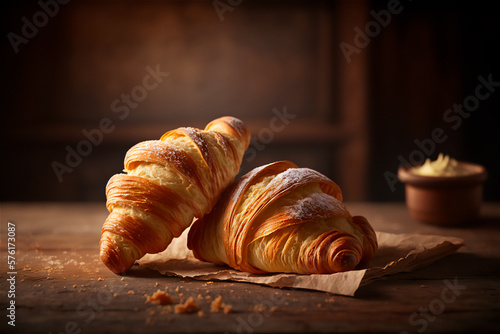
62	287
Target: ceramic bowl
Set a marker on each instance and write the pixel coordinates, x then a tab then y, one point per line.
444	200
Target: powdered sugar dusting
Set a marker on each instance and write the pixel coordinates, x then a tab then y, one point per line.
163	150
292	176
236	124
154	151
196	136
316	204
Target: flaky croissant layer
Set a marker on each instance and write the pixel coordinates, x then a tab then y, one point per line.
281	218
168	182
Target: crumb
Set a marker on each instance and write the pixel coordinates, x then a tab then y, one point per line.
82	289
148	320
330	300
208	297
131	292
201	314
189	306
176	289
227	308
210	282
116	294
136	309
199	297
274	308
159	297
74	285
319	305
105	285
258	308
156	284
100	279
122	279
218	305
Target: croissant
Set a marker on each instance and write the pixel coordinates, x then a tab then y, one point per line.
281	218
168	183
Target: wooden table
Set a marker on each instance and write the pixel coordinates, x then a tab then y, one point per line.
62	287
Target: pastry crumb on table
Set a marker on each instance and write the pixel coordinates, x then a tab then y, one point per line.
159	297
217	305
189	306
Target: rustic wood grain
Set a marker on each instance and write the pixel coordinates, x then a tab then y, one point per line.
61	285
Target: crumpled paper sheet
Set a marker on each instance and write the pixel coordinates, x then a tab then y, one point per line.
396	253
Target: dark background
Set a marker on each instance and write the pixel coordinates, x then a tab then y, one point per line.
352	119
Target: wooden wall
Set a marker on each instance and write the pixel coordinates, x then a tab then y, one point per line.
263	61
348	120
427	60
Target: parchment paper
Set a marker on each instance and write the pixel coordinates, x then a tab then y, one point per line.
397	253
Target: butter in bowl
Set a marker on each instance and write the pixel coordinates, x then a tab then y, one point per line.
444	191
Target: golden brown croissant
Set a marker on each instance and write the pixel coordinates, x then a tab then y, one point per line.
168	183
280	218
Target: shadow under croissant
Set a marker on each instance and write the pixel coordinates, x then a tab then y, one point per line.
142	272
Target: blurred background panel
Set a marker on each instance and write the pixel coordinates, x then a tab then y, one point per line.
145	67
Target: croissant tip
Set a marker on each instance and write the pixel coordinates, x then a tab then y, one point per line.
106	258
237	125
112	258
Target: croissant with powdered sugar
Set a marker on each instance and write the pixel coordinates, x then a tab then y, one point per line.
168	183
281	218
